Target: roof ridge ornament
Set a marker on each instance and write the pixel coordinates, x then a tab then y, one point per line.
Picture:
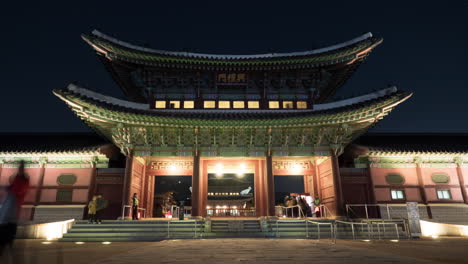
98	34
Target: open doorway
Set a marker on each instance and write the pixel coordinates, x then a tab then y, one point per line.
171	191
231	194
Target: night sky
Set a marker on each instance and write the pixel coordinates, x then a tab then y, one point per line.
424	50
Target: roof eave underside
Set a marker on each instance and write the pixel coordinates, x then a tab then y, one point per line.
352	51
379	106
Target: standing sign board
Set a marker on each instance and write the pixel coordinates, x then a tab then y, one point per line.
413	219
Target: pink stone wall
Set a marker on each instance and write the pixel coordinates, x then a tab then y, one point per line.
465	174
48	195
378	175
33	174
382	194
83	176
80	195
428	172
412	195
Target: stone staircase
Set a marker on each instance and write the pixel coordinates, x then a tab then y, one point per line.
155	230
299	229
117	230
450	214
234	228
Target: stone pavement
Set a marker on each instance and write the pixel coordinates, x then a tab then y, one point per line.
243	251
253	251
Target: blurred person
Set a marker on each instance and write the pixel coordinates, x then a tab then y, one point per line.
92	209
100	205
317	203
19	187
8	220
134	207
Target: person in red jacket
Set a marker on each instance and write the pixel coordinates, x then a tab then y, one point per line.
19	187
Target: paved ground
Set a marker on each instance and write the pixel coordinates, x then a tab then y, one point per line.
243	251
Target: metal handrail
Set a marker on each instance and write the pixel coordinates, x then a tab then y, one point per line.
325	210
394	222
129	206
169	227
352	227
301	213
332	230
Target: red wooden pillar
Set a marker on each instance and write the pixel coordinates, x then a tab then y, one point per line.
461	180
317	187
40	183
337	186
270	186
261	194
127	184
196	186
92	183
203	188
422	190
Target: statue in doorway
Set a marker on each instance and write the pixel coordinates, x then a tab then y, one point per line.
168	202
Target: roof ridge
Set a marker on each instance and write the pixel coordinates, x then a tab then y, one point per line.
128	45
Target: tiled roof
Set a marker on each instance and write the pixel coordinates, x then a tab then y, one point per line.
50	142
415	142
123	106
347	51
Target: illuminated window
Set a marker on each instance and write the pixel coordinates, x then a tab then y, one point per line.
397	194
253	104
231	77
174	104
238	104
209	104
444	195
274	104
301	105
288	105
222	77
224	104
189	104
160	104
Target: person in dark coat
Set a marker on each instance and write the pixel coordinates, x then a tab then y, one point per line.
19	187
135	203
8	220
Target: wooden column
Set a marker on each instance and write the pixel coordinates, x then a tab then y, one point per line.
260	186
92	183
370	181
40	183
144	187
421	188
196	186
127	184
270	186
337	186
317	187
461	180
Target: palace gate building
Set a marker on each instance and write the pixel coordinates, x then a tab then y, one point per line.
232	128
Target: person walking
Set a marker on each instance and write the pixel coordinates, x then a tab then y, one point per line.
100	205
19	187
134	207
8	220
317	203
92	209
